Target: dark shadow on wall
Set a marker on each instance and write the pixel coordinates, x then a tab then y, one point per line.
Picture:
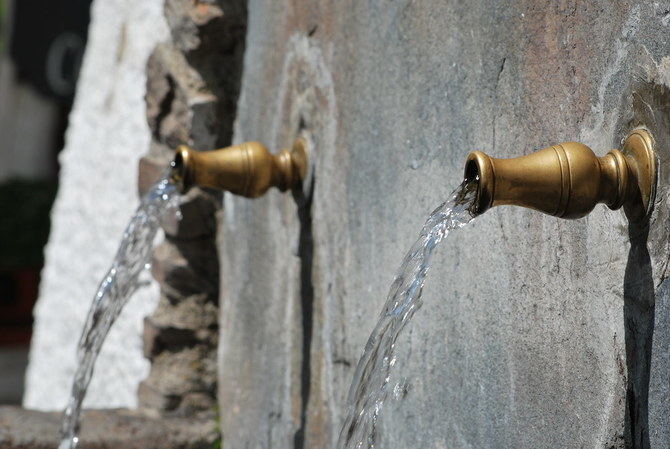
306	254
639	308
645	337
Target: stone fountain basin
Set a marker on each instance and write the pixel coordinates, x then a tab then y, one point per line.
109	429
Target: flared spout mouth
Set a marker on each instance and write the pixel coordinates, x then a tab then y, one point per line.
479	170
180	169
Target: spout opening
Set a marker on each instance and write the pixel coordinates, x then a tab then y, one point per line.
479	169
471	171
180	169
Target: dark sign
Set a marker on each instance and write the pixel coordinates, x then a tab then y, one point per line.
47	43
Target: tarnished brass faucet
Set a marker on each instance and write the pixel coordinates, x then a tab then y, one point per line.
247	169
568	180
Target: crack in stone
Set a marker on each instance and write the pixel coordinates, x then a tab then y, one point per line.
495	96
305	253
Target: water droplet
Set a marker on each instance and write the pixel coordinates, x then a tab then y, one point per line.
400	390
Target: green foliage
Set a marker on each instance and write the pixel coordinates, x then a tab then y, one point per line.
218	443
25	208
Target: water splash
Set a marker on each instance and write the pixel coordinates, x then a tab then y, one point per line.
372	380
121	281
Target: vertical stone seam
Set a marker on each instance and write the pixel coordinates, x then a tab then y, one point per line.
306	255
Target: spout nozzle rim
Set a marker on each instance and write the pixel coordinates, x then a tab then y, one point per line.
300	157
479	169
181	168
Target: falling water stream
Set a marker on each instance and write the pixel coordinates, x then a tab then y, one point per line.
372	383
120	282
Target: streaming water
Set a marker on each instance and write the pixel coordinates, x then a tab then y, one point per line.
120	282
372	380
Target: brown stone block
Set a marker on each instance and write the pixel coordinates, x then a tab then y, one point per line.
198	209
150	343
196	312
151	169
159	338
186	268
151	398
182	372
197	401
106	429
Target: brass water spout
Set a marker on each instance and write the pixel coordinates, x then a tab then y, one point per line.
568	180
247	169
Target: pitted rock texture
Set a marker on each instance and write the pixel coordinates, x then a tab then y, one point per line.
536	332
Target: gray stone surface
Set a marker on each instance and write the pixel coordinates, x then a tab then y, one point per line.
97	194
535	332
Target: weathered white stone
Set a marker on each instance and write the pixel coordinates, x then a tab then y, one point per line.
98	193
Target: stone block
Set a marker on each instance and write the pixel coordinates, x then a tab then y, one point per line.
190	312
159	338
199	215
186	268
197	401
107	429
182	372
153	399
150	171
192	84
150	342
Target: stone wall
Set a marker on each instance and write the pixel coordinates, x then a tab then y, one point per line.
192	90
535	332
